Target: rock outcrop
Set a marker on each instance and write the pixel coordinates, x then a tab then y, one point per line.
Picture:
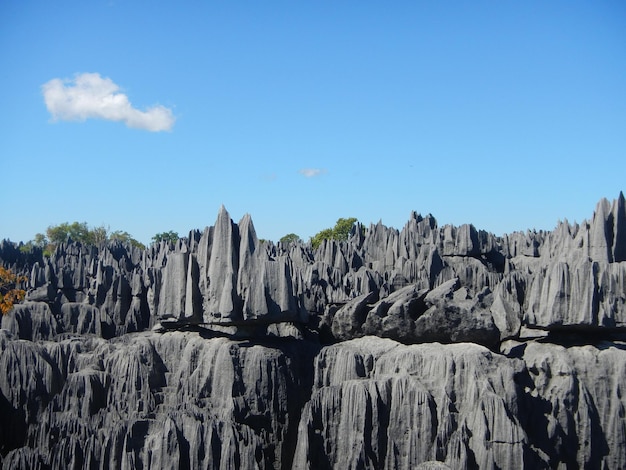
425	347
380	404
573	408
149	400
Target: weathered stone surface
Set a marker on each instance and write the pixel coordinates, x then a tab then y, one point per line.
379	404
578	294
506	309
29	379
250	384
171	400
173	291
461	318
31	320
81	319
432	465
348	320
226	277
230	281
574	407
447	314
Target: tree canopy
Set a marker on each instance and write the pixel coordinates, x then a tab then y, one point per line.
81	232
340	231
78	232
290	238
170	237
125	237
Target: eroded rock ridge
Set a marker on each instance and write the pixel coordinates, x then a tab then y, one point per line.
439	347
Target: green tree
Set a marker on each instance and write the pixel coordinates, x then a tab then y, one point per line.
170	237
99	234
58	233
40	240
78	232
290	238
342	228
126	237
319	237
340	231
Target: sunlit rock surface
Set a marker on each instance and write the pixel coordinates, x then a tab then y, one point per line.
380	404
425	347
148	400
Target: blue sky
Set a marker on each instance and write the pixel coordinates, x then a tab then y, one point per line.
148	116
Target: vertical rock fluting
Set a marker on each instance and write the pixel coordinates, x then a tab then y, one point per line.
230	279
227	278
380	404
222	303
574	407
180	400
79	388
176	400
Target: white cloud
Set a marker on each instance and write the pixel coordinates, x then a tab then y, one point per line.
89	95
312	172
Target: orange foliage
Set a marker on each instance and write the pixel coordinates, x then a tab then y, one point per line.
9	294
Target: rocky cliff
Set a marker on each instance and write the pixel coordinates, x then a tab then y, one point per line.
425	347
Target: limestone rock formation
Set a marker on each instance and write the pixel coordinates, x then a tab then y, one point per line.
425	347
448	313
573	408
380	404
229	279
581	293
172	400
225	278
31	320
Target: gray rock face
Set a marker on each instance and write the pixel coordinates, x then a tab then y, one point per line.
379	404
425	347
230	279
574	408
447	313
226	279
176	400
31	320
582	293
183	400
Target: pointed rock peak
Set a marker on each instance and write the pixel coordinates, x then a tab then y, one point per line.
225	231
223	213
247	233
619	205
602	209
245	221
357	229
223	222
619	228
619	209
432	222
415	216
601	233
